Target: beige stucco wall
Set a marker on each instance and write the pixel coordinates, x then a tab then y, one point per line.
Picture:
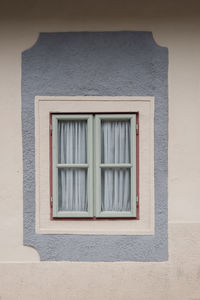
174	25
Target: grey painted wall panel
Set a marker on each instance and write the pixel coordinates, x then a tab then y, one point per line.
96	64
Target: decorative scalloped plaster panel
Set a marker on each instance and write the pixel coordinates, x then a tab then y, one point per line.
97	64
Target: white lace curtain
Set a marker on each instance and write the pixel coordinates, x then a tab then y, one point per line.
115	149
72	149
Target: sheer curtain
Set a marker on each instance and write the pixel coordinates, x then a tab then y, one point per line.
72	149
115	182
72	182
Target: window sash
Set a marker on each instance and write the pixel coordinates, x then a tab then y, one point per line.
94	165
99	165
56	166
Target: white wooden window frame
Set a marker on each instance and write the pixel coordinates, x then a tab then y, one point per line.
46	105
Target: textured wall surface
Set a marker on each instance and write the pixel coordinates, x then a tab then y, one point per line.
100	64
178	278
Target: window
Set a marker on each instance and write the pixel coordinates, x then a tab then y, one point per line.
94	166
48	106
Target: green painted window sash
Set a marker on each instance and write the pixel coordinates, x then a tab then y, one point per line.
98	166
88	166
94	166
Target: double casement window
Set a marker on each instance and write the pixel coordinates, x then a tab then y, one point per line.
94	166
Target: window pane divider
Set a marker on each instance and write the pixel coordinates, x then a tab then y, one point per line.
72	166
115	165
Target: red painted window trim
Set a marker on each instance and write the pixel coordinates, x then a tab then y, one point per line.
51	175
137	168
50	167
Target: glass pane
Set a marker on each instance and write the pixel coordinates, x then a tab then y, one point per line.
115	141
72	190
72	142
115	190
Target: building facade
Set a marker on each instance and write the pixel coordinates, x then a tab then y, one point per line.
91	59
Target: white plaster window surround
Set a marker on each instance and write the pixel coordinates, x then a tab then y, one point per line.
44	105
